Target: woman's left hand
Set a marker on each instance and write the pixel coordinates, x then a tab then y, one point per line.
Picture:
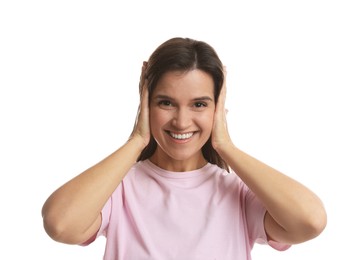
220	135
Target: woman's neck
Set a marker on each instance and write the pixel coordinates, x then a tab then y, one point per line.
168	163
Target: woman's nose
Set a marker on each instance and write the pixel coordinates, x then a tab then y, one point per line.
182	118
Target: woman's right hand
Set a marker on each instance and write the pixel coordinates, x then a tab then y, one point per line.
142	126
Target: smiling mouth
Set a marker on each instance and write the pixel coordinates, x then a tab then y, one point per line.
181	136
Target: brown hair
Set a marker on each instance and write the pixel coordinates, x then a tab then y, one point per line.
184	54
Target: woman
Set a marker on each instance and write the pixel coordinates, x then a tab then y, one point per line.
179	188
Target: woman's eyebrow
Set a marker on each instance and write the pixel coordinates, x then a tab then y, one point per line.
163	97
203	98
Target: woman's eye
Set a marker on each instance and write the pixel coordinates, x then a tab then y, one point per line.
164	103
200	104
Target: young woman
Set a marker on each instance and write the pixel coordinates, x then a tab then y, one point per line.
179	188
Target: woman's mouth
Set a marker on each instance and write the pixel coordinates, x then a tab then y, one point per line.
181	136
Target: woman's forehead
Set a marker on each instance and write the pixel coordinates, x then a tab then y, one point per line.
194	80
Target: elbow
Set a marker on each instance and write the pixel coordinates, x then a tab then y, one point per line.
65	229
306	228
318	223
57	228
313	226
54	228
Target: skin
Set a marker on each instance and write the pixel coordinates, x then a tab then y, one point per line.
182	104
72	214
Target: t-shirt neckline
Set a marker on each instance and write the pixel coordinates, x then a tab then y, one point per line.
178	175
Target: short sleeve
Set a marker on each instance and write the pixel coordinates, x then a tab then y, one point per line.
105	220
105	214
255	214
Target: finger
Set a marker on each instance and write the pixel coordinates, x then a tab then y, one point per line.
224	87
222	94
142	76
145	94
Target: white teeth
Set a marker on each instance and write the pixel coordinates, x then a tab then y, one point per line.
181	136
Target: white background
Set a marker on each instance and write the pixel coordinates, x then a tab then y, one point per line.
69	74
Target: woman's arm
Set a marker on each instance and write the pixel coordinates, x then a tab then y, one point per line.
294	213
72	213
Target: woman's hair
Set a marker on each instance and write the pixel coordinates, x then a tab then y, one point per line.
185	54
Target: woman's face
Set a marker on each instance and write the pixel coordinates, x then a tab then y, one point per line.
182	109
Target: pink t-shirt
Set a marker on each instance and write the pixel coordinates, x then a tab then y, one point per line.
202	214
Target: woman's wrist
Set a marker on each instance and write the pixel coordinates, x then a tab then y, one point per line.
138	142
224	148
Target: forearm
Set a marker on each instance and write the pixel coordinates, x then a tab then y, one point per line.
297	210
75	206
